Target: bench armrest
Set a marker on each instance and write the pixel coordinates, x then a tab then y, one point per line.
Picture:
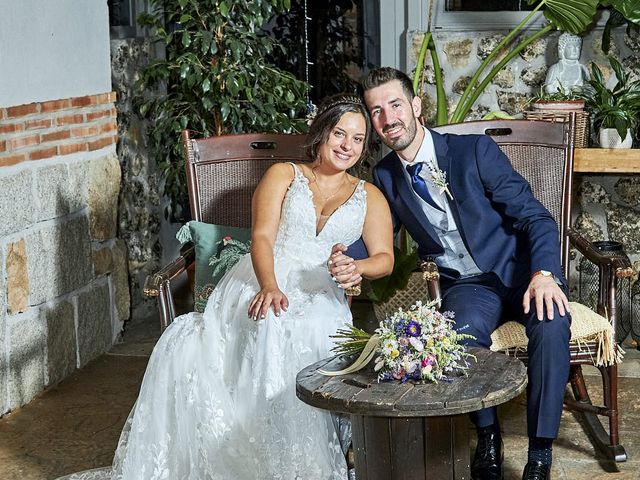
158	285
612	266
431	275
617	263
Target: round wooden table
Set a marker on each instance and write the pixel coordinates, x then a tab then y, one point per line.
411	431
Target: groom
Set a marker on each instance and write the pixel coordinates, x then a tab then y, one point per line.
496	247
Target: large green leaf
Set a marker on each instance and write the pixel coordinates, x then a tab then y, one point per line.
572	16
629	8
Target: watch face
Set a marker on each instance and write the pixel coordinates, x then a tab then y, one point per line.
545	273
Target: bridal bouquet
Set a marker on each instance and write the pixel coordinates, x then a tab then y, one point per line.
417	344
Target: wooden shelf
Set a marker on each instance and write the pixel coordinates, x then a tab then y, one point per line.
607	160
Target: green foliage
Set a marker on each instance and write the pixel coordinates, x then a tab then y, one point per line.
216	78
566	15
621	12
405	262
498	115
560	95
617	107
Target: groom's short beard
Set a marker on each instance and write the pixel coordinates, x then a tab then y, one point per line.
403	141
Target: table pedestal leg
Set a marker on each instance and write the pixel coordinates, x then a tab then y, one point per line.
411	448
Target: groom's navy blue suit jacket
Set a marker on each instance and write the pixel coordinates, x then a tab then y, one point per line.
505	229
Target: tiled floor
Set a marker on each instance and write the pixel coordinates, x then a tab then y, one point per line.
76	425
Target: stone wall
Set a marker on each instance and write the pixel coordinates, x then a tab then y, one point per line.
64	292
139	217
460	54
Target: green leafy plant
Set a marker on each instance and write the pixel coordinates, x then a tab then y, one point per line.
621	12
565	15
216	78
405	262
617	107
560	95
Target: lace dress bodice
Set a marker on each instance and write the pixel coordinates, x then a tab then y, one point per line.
297	232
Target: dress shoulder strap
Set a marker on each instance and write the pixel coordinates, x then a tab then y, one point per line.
296	170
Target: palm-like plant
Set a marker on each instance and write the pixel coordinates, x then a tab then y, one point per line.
617	107
565	15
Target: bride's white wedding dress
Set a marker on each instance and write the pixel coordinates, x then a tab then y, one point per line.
218	398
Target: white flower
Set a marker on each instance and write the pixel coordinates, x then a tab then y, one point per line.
379	364
409	365
439	178
389	346
417	344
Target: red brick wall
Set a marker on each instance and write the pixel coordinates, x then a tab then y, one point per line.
36	131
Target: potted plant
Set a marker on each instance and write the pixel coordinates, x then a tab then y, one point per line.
214	79
614	110
559	100
564	15
557	106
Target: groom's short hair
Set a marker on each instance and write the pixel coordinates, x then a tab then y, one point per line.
383	75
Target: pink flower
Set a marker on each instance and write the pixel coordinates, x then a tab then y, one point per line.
398	374
428	361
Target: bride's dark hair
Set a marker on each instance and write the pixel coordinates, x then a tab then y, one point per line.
329	114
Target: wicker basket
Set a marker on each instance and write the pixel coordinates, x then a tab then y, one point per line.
582	122
415	290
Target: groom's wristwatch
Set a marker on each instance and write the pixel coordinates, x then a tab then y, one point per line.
544	273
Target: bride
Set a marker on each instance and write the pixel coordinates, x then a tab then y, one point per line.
218	399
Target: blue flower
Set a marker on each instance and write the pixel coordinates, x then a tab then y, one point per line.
413	329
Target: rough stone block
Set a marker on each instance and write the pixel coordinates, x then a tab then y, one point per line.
59	258
3	292
534	50
94	322
4	366
104	187
78	185
458	52
61	341
102	259
17	278
534	76
27	342
16	201
52	185
120	279
3	320
624	226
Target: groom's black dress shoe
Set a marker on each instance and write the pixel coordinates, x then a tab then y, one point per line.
536	471
487	461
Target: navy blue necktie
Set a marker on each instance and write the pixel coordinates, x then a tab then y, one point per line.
420	186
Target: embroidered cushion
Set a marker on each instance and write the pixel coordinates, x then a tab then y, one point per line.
206	237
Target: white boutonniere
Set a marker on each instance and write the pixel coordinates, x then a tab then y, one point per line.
439	179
